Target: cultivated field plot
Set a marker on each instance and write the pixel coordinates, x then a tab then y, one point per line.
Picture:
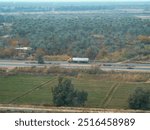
25	89
15	86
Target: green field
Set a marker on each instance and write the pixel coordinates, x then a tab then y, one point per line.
27	89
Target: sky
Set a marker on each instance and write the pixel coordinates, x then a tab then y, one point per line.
72	0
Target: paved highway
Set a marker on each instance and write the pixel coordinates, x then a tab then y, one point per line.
64	64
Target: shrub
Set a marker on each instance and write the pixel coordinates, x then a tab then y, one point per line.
139	99
64	94
40	59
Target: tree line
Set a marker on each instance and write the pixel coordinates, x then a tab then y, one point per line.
94	35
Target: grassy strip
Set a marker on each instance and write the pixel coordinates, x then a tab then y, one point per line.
30	91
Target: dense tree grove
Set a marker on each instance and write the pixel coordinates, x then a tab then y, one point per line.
97	35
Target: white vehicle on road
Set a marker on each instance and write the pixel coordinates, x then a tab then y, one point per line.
78	60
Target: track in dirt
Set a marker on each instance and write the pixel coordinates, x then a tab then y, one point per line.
110	95
11	108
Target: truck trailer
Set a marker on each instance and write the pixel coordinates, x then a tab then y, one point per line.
78	60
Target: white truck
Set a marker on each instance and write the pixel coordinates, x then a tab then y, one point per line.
78	60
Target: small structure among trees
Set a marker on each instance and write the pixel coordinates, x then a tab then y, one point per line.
64	94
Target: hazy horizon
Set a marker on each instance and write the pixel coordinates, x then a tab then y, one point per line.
74	0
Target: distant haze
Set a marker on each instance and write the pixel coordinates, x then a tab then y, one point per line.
74	0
